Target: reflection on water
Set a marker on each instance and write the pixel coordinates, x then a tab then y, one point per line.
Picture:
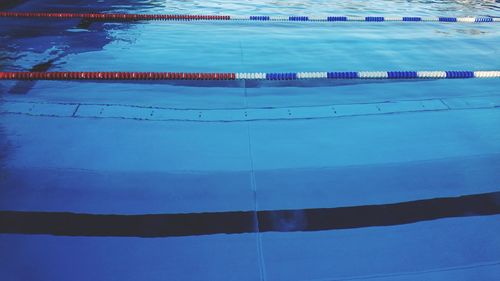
322	7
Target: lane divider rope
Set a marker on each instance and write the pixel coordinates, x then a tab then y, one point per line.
247	76
172	17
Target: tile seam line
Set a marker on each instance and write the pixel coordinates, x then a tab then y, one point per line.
76	110
252	120
8	100
443	101
260	250
260	253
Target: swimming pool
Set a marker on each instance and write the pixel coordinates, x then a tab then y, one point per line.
251	179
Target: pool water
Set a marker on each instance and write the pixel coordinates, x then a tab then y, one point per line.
250	178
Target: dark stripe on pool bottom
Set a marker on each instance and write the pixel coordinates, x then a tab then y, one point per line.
165	225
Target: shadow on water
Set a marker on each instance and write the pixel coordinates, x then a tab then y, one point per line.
23	87
25	44
84	24
5	148
10	4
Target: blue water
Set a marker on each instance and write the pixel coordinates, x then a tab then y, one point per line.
190	147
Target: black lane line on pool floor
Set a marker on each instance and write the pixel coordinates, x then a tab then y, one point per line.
167	225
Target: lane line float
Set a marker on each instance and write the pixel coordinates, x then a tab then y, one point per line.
174	17
28	75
